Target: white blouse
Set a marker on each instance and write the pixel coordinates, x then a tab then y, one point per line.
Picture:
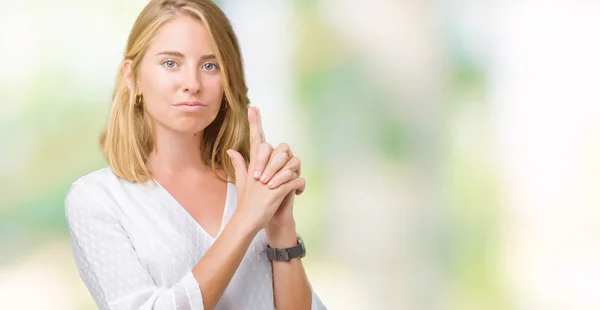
135	248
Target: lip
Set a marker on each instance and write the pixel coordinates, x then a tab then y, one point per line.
190	105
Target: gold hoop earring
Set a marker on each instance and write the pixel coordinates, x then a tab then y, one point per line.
138	99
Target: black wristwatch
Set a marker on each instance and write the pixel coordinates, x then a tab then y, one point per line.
286	254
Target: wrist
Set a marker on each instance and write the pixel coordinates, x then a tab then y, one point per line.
243	226
281	224
282	236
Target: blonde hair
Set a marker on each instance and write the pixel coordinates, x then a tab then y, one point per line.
127	140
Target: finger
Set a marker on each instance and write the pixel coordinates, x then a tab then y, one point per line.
239	165
293	185
296	159
286	174
262	158
283	176
276	162
262	132
256	132
301	190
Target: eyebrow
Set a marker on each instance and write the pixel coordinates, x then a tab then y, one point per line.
178	54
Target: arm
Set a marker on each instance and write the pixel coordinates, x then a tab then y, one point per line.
275	167
217	267
114	275
290	284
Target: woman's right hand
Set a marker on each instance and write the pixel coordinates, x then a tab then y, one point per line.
256	201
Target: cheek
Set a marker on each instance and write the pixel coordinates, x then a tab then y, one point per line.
154	80
213	92
214	88
156	86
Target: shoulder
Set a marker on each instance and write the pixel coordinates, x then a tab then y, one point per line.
92	183
93	192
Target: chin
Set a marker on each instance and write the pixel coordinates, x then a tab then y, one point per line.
190	130
191	127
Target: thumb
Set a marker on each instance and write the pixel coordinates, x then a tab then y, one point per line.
239	165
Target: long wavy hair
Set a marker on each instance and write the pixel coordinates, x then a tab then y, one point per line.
127	140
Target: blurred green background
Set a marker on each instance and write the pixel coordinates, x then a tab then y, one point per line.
450	147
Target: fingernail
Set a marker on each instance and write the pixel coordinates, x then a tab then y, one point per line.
250	111
263	178
271	184
256	174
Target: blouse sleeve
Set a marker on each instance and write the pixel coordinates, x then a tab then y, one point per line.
108	263
316	303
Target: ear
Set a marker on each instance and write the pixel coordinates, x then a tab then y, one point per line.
127	74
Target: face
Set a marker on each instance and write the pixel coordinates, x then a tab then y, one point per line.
179	77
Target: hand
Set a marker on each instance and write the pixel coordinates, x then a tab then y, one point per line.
256	201
275	167
281	168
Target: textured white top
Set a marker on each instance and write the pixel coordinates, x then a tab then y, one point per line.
135	247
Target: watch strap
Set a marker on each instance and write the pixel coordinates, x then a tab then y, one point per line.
286	254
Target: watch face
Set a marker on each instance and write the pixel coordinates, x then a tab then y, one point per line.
301	243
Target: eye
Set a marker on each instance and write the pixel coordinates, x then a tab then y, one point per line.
169	64
210	66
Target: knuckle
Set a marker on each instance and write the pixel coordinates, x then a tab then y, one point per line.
284	156
266	146
264	152
297	161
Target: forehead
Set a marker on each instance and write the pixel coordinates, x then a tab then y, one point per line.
184	34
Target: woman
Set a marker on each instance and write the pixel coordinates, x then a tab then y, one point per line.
161	227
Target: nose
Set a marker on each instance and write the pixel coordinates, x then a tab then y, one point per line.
192	82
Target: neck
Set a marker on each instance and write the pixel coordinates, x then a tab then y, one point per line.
175	153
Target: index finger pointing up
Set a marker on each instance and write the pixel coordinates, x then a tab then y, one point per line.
257	135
